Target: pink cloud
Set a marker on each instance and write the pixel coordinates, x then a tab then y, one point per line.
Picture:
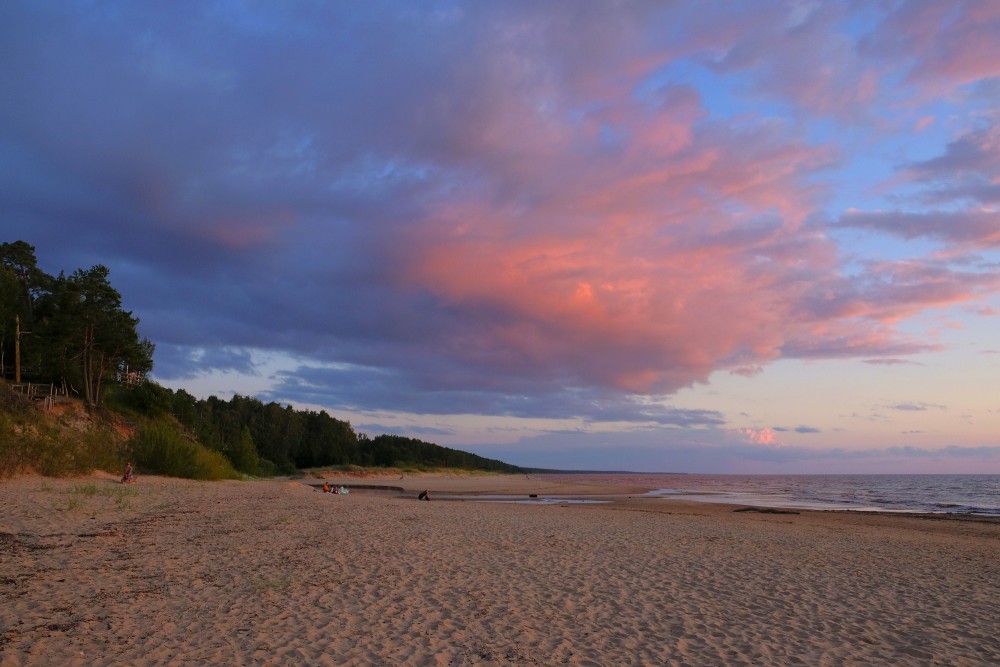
757	436
901	289
949	43
586	235
811	55
648	274
802	54
748	371
646	269
641	244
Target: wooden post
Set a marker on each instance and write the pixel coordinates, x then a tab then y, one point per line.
17	349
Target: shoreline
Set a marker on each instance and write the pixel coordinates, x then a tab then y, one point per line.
553	487
274	573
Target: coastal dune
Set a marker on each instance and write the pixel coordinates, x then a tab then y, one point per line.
277	573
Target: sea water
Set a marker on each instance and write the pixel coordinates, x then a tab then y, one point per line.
959	494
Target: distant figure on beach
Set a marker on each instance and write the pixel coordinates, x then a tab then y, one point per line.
326	488
127	477
343	490
423	496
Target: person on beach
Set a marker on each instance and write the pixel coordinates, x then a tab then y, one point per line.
326	487
127	477
423	496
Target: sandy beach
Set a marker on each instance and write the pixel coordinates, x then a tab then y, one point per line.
276	573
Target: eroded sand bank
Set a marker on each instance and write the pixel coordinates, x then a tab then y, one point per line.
276	573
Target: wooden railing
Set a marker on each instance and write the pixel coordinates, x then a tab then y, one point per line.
34	389
39	392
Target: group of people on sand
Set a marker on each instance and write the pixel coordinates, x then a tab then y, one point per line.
339	490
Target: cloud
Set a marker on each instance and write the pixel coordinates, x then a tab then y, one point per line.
758	436
977	228
963	186
946	44
805	56
797	429
951	451
891	362
748	371
916	407
180	362
351	387
718	451
526	209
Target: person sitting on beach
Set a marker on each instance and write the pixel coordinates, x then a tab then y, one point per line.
326	487
127	477
423	496
343	490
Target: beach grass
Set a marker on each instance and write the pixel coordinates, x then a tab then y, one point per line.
79	495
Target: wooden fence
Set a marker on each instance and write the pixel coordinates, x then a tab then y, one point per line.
39	392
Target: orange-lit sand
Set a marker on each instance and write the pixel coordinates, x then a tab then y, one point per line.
275	573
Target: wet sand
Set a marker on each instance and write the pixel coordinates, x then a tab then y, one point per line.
277	573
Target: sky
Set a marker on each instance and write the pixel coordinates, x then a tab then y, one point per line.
716	237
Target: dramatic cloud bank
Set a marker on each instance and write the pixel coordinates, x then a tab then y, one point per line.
566	210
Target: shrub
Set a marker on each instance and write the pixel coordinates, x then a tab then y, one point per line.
160	448
31	442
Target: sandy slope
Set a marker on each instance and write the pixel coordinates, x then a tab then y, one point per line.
275	573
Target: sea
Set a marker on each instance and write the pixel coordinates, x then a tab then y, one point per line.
948	494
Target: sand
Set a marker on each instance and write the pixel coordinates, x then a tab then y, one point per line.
275	573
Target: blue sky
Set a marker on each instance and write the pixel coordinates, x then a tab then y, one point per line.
703	237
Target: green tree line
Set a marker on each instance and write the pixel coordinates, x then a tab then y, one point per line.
267	438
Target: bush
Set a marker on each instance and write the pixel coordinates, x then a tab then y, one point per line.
160	448
267	468
30	441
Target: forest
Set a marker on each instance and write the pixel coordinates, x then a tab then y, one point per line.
83	342
263	439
